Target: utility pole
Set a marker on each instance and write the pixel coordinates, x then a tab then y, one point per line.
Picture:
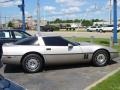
5	22
22	8
38	16
0	21
23	15
110	7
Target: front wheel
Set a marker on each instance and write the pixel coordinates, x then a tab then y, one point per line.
100	58
32	63
100	30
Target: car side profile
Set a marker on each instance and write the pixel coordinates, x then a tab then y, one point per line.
8	36
108	28
93	29
34	53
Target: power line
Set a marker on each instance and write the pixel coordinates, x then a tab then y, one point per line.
70	13
7	1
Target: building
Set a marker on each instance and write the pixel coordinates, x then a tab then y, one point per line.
30	23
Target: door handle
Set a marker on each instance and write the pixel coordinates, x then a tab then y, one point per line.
48	48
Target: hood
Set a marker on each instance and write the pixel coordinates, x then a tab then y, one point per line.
86	44
95	47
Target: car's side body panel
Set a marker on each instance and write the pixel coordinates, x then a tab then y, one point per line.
13	54
12	59
63	54
63	58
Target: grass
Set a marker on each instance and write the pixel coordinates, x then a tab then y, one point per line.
100	41
112	83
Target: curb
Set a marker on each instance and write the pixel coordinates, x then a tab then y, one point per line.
102	79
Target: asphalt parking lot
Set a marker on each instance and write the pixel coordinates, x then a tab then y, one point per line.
70	77
77	34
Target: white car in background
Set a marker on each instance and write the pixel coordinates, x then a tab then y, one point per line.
93	29
108	28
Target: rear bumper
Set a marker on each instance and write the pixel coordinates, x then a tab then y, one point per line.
11	59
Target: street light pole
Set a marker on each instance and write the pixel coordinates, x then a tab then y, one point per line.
38	16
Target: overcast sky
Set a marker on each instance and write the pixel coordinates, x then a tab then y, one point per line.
64	9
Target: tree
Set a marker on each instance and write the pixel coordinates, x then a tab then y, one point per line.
58	20
69	21
10	24
87	23
77	21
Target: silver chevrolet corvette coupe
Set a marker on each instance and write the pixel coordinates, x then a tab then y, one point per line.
34	53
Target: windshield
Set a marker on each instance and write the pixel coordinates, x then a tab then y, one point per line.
73	43
69	39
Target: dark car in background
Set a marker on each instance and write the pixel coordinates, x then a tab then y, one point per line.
6	84
7	36
46	28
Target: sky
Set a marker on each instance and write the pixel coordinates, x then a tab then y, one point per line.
63	9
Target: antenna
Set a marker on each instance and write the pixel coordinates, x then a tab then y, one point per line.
7	1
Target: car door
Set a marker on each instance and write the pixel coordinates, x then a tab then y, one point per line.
6	36
61	51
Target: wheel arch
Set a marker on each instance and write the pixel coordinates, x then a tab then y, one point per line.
33	52
103	50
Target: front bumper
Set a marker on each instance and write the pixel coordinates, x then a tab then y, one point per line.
114	55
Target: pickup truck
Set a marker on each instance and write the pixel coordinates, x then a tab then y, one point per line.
108	28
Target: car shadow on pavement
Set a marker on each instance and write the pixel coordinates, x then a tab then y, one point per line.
19	69
13	69
71	66
66	66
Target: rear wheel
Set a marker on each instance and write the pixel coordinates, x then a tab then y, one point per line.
88	30
100	58
97	30
32	63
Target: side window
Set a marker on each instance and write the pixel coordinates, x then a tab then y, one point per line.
18	35
55	41
93	27
28	41
5	34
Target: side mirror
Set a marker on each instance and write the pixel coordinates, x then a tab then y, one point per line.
70	46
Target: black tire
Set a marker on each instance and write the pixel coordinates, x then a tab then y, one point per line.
112	31
88	30
100	30
32	63
100	58
97	30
